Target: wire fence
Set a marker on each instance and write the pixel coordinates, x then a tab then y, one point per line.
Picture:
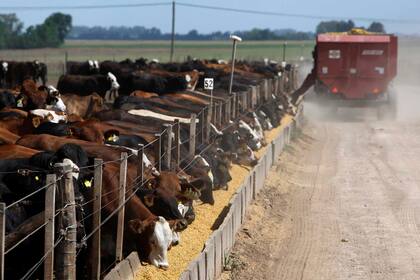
233	108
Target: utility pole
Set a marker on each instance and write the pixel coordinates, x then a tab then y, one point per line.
284	51
173	32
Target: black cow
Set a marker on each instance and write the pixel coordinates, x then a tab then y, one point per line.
57	129
17	72
7	100
84	85
89	67
4	66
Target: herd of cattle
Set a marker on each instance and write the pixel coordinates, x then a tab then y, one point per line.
99	110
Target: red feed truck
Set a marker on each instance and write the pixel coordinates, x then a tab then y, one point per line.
355	69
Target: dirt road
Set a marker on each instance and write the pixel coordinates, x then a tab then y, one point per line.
342	203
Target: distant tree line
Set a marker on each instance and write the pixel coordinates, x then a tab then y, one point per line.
344	26
58	27
51	33
143	33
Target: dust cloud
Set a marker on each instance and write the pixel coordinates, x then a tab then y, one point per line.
407	84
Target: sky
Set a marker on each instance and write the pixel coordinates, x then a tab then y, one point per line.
206	21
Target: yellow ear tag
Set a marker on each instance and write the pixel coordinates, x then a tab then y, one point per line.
112	138
88	183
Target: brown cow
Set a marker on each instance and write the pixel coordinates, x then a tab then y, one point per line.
11	151
148	233
191	77
7	137
143	94
11	113
31	97
83	106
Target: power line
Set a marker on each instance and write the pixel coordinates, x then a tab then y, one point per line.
267	13
111	6
218	8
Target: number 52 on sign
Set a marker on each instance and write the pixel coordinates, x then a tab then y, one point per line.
208	83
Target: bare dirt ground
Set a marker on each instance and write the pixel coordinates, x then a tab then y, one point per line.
342	203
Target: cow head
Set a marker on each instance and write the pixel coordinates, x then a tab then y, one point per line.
192	79
153	238
264	120
250	135
91	66
245	155
54	101
4	67
237	146
202	186
161	203
52	91
96	65
202	164
37	66
220	163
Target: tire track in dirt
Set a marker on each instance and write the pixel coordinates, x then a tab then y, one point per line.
342	205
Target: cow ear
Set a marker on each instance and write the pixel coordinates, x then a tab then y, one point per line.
137	226
149	200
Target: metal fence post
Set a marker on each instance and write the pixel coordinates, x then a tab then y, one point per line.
214	113
249	98
276	86
95	252
208	122
219	115
121	212
281	83
257	94
238	104
266	90
49	227
203	124
158	150
140	166
177	155
253	91
168	149
270	89
235	105
192	135
66	251
2	237
228	110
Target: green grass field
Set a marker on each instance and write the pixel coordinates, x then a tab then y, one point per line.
118	50
199	49
409	52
